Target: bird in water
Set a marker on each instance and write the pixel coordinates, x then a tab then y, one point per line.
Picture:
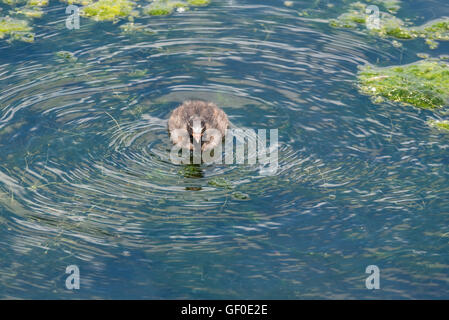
197	122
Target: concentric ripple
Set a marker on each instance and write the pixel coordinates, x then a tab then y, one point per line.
86	176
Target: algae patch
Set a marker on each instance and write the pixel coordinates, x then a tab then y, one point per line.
198	2
16	29
164	7
38	3
136	28
424	84
30	12
390	26
439	124
66	56
108	9
240	196
220	183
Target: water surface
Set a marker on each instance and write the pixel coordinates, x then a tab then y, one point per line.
86	178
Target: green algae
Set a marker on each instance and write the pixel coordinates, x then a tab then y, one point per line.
66	56
99	10
30	12
13	2
108	9
432	43
392	6
220	183
437	29
391	26
16	29
240	196
191	171
164	7
348	20
439	124
424	84
138	73
82	2
434	30
38	3
135	28
197	3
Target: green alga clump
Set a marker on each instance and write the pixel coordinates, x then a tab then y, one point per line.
348	20
439	124
220	183
108	9
83	2
240	196
163	7
66	56
438	29
351	19
30	12
198	2
17	29
134	28
13	2
388	25
393	27
38	3
390	5
434	30
424	84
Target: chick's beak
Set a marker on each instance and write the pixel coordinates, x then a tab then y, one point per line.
197	137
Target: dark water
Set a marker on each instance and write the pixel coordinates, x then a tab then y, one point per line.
86	179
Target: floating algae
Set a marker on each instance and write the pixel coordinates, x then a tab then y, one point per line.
138	73
135	28
13	2
437	29
30	12
351	19
164	7
83	2
38	3
439	124
434	30
240	196
108	9
99	10
424	84
390	5
198	2
66	56
391	26
16	29
220	183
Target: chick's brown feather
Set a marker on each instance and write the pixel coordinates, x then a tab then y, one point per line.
213	117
